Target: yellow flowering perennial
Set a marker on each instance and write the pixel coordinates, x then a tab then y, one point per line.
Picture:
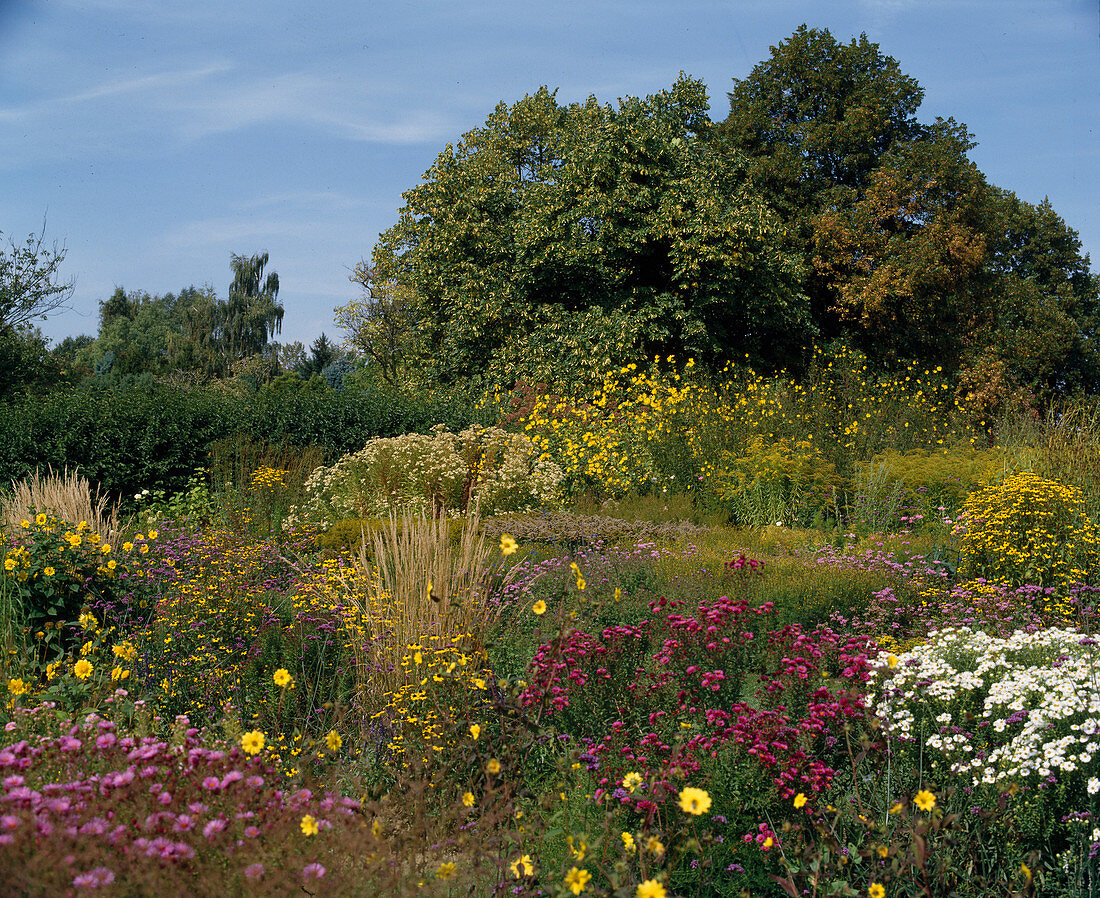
1027	529
618	437
924	800
694	801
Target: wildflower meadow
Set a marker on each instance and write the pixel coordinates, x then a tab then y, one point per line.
675	634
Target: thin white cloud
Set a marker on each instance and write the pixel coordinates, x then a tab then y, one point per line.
144	84
228	231
135	115
323	201
341	109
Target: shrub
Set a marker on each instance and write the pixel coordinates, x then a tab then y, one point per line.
354	532
769	480
1027	529
148	437
193	503
496	470
934	482
1063	446
54	570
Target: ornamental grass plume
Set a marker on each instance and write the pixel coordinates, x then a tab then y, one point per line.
67	495
412	583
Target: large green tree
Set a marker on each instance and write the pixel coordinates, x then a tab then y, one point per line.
135	330
873	199
252	313
383	324
217	334
909	252
558	240
1043	314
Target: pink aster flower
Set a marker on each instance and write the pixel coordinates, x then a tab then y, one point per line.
93	879
184	823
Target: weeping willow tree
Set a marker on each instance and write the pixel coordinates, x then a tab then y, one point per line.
217	334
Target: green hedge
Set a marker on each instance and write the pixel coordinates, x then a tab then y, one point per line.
153	436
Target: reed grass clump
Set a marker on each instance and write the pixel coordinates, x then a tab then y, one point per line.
67	495
411	584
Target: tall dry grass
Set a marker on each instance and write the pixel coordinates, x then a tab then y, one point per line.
410	582
67	495
1063	446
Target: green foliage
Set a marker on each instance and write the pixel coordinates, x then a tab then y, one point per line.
769	480
570	530
149	437
193	503
485	466
355	532
382	324
1044	310
29	286
909	253
559	240
154	435
936	481
1027	529
321	354
136	329
217	334
52	572
1063	445
25	364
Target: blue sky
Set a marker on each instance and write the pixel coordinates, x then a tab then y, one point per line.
157	138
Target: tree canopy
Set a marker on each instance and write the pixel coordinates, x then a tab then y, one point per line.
910	253
217	334
558	240
29	281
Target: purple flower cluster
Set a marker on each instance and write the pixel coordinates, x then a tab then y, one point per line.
149	804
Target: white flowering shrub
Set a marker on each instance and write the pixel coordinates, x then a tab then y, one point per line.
1024	708
500	471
